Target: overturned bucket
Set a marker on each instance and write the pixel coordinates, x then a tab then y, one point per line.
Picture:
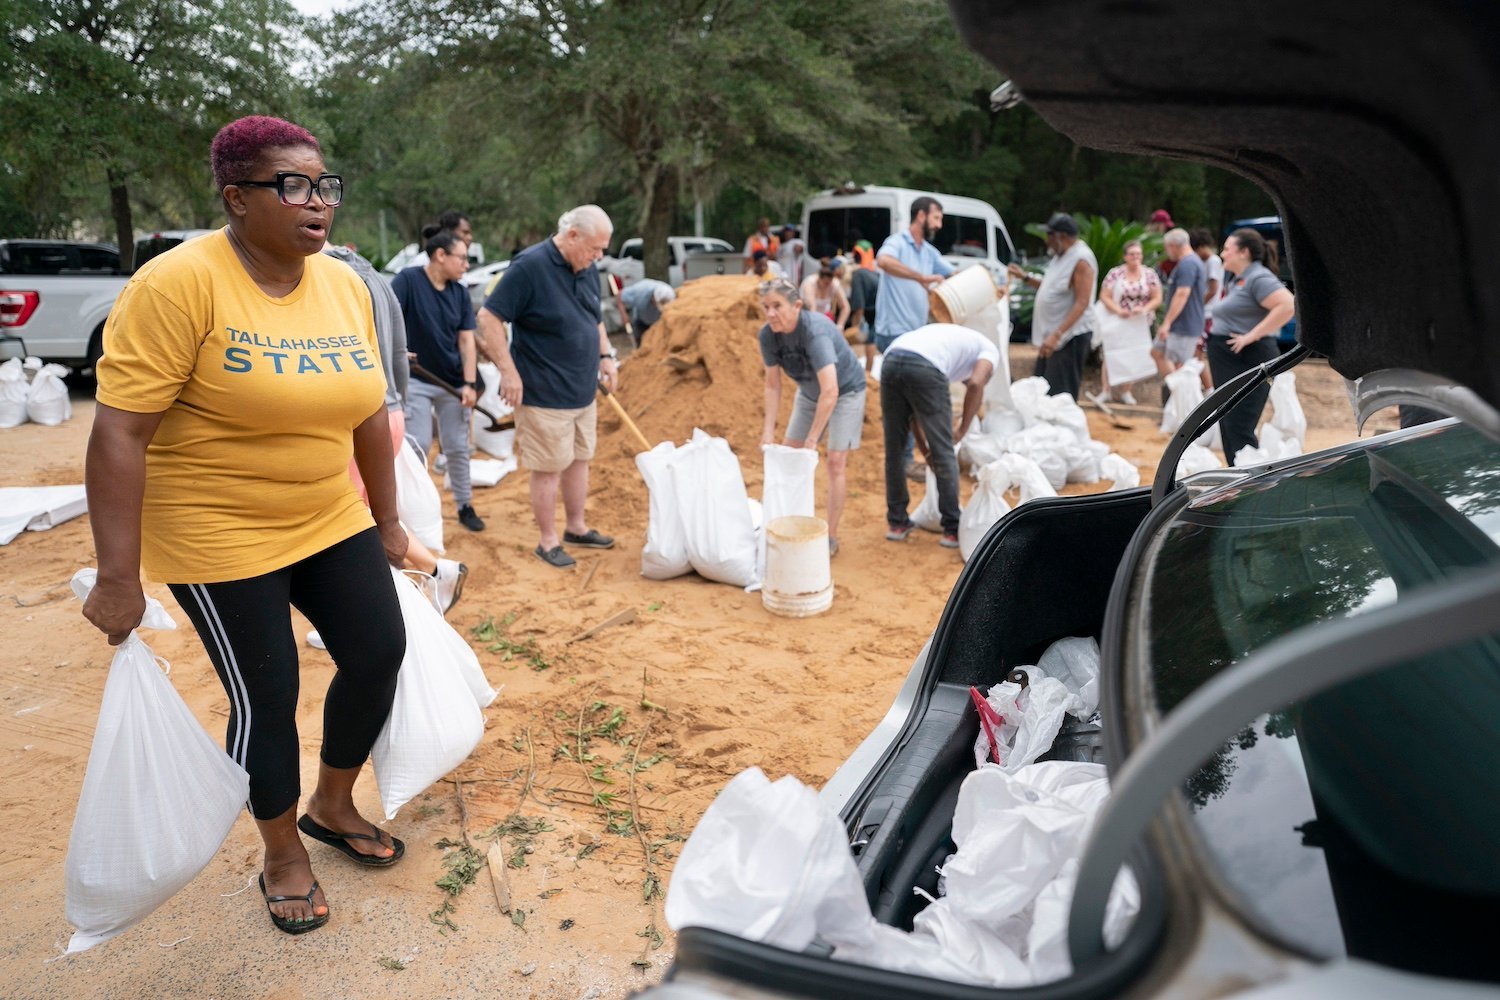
963	295
798	582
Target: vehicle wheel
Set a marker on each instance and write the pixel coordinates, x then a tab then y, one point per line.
96	351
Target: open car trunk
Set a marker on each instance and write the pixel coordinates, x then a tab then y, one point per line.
1043	573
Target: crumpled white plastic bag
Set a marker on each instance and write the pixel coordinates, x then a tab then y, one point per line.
1064	682
13	390
1286	410
1186	389
158	798
665	552
1116	468
435	722
418	502
986	506
47	401
927	516
715	511
1195	459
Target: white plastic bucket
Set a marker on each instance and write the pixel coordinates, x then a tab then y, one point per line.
962	295
798	582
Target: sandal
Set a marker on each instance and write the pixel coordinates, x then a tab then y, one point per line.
294	925
340	842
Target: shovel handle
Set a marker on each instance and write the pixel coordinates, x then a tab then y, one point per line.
620	410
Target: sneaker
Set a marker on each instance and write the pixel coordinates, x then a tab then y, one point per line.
469	519
1128	398
315	640
450	578
440	464
833	547
917	472
555	557
590	539
899	532
949	540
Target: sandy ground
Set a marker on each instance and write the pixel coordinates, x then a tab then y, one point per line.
625	736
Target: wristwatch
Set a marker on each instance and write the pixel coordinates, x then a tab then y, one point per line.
613	355
472	385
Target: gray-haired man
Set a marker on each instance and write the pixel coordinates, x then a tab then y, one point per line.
551	369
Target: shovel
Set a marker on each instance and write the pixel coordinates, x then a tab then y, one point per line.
620	410
496	423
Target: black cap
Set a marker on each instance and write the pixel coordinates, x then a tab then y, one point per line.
1062	222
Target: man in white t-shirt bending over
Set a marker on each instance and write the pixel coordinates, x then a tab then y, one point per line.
914	378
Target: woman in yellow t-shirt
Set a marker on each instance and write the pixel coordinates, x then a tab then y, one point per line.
240	372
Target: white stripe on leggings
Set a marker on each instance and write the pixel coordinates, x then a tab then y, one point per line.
237	693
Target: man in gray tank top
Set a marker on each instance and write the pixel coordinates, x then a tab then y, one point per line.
1062	322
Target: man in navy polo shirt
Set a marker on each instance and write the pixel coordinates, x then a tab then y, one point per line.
551	369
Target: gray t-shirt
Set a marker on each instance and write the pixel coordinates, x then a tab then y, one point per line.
1240	309
1192	275
812	344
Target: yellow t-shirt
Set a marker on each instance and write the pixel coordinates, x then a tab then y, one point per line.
248	471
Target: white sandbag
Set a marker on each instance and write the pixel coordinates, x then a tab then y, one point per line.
1027	395
13	391
1186	387
787	490
1001	422
1286	410
1083	461
927	516
986	506
435	722
665	552
158	798
1026	476
418	502
486	471
714	508
38	508
1196	458
1046	445
1062	410
977	449
500	444
47	401
448	638
1118	470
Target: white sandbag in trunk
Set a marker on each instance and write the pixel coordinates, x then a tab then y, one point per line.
1286	410
435	722
1116	468
418	502
158	798
665	552
13	391
986	506
927	516
500	444
715	511
47	401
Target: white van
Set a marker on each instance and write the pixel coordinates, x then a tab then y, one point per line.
972	230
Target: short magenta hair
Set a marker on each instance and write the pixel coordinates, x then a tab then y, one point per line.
237	148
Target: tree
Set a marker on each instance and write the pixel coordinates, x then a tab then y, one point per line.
125	91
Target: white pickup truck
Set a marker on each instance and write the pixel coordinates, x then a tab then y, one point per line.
55	294
629	266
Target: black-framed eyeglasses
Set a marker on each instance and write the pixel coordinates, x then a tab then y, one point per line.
297	189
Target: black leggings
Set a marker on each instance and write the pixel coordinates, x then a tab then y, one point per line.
346	591
1237	429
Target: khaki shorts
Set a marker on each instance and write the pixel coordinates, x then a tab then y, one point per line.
551	440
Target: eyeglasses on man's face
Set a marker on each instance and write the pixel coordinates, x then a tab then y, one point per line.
297	189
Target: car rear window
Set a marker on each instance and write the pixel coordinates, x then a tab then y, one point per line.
1366	819
54	258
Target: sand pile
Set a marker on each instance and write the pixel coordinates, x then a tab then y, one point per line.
700	366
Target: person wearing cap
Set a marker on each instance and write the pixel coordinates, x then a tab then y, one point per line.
1063	316
1161	221
645	300
763	267
822	292
761	239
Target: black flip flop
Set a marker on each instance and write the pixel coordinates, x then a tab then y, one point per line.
294	925
340	842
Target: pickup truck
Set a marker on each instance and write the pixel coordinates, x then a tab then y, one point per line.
55	294
629	266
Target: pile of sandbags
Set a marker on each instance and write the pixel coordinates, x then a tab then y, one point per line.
34	391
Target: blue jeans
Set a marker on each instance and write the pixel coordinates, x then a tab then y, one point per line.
912	387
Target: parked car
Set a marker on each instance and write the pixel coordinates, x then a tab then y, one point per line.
154	244
972	229
629	263
54	296
1300	662
413	255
